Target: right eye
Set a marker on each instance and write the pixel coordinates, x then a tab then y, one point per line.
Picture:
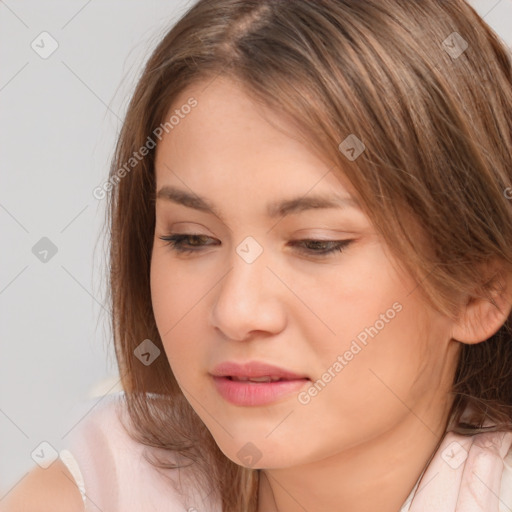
186	242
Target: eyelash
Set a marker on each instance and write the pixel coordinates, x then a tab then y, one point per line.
175	241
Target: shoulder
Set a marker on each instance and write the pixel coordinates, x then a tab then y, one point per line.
116	470
486	460
46	490
93	439
467	470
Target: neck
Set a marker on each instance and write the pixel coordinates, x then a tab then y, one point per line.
376	475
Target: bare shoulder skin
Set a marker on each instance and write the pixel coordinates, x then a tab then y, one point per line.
45	490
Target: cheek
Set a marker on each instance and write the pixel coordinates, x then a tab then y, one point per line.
383	349
388	375
377	386
174	293
167	308
363	301
178	307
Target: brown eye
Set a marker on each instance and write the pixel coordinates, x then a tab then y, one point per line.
186	242
321	247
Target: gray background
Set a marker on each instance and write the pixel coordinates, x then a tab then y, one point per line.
59	119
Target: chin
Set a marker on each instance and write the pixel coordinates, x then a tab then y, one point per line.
256	455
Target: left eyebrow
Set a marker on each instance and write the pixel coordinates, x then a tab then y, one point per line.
276	209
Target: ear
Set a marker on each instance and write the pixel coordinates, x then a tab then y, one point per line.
484	314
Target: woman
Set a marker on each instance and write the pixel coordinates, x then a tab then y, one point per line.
311	264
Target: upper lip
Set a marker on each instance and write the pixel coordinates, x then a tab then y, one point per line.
253	369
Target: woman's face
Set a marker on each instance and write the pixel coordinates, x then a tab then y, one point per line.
309	288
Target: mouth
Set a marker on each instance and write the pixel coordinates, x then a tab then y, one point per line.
256	383
257	391
264	379
255	371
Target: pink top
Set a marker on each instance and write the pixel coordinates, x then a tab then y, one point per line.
467	474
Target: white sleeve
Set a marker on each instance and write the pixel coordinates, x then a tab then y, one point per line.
67	458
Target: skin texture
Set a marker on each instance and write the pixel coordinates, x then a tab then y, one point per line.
363	441
45	490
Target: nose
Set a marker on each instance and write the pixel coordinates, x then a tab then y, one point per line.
248	301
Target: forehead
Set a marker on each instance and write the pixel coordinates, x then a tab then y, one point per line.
227	138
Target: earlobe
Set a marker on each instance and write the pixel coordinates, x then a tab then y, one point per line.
482	316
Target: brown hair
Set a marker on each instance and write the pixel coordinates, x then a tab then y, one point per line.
435	117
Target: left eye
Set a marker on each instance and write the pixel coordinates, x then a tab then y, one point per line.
189	243
321	247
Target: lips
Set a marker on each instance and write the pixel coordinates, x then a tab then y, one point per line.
255	371
272	378
256	383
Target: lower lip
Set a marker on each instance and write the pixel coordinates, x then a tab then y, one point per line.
256	393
